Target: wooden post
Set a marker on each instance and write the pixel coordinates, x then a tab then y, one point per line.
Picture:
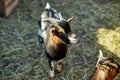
6	7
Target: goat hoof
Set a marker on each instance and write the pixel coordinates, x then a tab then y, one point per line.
59	70
51	74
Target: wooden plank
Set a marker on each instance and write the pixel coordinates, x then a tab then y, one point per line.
8	2
9	9
6	6
1	8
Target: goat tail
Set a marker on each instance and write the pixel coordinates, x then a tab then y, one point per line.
47	6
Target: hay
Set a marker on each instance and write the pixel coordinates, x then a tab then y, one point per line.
22	58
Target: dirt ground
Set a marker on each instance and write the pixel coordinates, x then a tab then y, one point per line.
97	25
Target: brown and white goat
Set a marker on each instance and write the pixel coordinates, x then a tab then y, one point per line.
55	34
106	68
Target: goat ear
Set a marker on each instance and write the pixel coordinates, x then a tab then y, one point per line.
53	29
100	55
71	19
103	67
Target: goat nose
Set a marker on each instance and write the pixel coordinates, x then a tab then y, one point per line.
74	36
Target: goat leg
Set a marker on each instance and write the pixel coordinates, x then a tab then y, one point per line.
59	66
51	65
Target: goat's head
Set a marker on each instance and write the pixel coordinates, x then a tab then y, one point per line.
59	32
108	66
65	25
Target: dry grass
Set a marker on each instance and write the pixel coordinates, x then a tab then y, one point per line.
97	25
110	40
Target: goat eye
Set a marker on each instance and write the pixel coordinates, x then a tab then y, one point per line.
60	33
108	65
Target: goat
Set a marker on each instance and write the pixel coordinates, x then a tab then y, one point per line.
55	34
106	68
